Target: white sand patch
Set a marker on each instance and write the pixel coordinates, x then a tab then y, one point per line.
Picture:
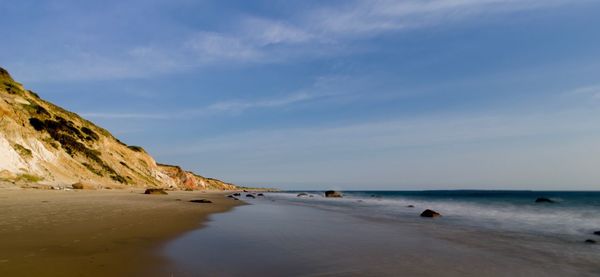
40	154
11	160
39	151
22	101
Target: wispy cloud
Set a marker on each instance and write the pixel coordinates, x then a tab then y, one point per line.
239	106
231	107
253	40
592	91
312	33
323	88
369	18
216	47
326	31
266	32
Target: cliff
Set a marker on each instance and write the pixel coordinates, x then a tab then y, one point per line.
192	181
43	143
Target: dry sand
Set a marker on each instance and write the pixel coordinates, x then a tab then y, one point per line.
94	233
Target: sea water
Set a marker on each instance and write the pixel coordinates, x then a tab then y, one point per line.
573	215
374	233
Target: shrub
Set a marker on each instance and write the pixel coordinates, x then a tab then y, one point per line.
125	165
119	178
40	110
37	124
91	135
10	88
112	173
34	94
64	132
23	152
136	148
63	125
36	109
51	142
29	178
92	169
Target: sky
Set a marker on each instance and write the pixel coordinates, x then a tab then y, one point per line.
353	94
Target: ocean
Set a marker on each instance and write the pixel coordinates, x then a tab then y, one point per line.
574	215
375	233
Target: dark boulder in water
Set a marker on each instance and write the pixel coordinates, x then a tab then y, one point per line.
202	201
410	206
333	194
302	194
237	194
544	200
597	233
430	213
590	241
250	196
260	194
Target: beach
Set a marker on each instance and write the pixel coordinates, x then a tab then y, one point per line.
95	233
128	233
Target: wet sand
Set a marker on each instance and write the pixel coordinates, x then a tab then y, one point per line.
282	239
95	233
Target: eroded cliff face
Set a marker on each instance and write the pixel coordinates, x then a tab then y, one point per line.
190	181
43	143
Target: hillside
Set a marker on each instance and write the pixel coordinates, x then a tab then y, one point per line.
190	181
43	143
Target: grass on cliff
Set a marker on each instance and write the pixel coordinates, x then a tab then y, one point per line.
68	136
29	178
37	110
23	152
8	84
10	87
136	148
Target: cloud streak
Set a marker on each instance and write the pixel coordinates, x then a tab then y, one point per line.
232	107
240	106
327	31
368	18
312	33
592	91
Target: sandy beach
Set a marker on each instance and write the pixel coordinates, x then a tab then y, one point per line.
95	233
128	233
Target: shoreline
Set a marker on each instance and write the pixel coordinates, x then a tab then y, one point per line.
313	241
96	233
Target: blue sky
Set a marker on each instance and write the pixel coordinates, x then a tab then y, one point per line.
348	94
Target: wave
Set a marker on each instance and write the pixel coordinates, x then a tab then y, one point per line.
574	214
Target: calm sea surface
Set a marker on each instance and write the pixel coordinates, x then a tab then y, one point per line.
574	214
374	233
